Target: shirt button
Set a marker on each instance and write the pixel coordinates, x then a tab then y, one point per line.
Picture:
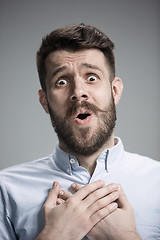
68	170
72	160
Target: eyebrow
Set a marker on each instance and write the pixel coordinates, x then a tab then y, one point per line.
90	66
83	65
58	70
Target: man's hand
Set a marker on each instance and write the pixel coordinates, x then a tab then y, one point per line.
75	217
120	224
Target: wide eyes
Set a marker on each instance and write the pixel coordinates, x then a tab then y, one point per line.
63	81
92	78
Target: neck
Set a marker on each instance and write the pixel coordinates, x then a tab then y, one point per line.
89	161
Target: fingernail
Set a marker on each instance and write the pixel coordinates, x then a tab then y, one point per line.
61	192
59	201
55	184
73	185
114	205
115	187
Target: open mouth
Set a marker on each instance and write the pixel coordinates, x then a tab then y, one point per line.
83	116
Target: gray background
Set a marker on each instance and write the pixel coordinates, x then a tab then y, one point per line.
25	130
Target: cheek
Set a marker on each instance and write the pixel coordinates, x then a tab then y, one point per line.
102	98
58	104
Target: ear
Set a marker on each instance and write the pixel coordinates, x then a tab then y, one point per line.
117	88
43	100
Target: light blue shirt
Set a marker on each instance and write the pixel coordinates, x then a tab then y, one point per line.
24	189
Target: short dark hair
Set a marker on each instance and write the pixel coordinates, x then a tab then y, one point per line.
74	38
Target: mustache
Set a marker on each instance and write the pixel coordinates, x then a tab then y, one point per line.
84	104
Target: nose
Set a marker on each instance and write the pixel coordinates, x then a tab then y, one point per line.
79	92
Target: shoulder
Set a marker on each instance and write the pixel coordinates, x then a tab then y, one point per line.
26	169
142	164
141	159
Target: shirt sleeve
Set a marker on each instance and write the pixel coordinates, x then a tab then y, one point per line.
6	227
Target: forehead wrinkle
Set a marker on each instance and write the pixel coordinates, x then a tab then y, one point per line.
62	69
58	68
73	59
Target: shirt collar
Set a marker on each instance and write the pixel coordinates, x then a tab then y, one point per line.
62	160
115	154
66	162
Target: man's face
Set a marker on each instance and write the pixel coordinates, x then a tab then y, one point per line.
79	99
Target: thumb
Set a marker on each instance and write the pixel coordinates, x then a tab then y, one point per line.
52	196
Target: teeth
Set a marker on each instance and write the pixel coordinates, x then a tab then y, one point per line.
83	115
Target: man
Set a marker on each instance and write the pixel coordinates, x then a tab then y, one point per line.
99	191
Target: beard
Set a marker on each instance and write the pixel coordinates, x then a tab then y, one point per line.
85	144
